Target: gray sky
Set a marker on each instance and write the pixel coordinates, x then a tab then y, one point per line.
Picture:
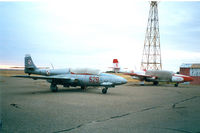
91	33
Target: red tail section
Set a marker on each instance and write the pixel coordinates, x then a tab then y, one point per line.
116	65
144	70
115	61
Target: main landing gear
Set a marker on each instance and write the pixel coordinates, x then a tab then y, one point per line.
104	90
176	85
54	87
83	87
155	83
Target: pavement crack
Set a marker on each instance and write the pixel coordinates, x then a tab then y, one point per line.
146	109
92	122
15	105
182	101
118	116
107	119
177	130
69	129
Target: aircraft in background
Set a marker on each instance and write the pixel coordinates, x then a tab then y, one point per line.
154	76
71	77
116	68
157	76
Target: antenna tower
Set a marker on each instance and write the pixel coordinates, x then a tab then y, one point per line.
151	58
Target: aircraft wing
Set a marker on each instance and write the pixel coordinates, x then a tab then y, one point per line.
61	77
141	76
138	75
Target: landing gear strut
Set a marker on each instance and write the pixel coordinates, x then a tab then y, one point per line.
142	83
83	87
104	90
54	88
176	85
155	83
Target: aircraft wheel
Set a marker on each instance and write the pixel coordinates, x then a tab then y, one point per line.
176	85
54	88
155	83
104	91
83	87
141	83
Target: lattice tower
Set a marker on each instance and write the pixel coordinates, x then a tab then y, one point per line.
151	58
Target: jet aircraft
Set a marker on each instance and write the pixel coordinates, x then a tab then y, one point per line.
157	76
154	76
71	77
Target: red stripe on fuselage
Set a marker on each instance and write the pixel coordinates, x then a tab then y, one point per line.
186	78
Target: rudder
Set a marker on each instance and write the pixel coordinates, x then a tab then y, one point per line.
29	65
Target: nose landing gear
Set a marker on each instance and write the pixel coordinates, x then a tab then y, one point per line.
176	85
104	90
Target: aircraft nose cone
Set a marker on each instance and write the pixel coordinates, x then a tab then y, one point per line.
120	80
187	79
124	81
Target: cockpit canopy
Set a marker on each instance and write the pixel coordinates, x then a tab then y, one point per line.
85	71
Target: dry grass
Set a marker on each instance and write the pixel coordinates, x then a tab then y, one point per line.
8	73
127	77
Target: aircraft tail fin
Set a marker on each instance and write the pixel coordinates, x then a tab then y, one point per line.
116	65
29	65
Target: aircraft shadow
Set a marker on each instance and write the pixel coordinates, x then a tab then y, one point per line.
150	85
89	90
64	90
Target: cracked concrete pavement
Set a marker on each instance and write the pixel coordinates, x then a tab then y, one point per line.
29	106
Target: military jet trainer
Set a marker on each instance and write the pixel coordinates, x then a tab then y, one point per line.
154	76
157	76
71	77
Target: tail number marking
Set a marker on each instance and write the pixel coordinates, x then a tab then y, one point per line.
94	79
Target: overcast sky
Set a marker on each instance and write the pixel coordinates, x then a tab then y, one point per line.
91	33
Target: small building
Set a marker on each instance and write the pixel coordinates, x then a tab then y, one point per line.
192	70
